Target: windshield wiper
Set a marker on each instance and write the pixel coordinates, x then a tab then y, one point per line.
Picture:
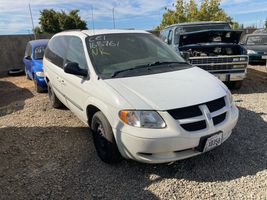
146	66
129	69
166	62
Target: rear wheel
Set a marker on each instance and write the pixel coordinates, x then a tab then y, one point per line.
104	140
55	102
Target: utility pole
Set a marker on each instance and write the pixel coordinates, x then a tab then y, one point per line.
32	21
113	18
93	19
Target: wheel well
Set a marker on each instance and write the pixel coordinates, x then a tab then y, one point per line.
47	79
91	110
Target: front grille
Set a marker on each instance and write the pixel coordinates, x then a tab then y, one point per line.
216	60
187	112
219	119
215	67
209	60
216	104
195	126
187	116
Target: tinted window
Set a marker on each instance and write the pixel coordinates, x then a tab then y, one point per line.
56	50
39	52
75	52
192	28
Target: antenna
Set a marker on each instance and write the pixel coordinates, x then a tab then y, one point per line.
93	19
32	22
113	18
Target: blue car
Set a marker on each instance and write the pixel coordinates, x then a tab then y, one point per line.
33	62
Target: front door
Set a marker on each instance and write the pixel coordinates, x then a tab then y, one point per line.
75	87
28	60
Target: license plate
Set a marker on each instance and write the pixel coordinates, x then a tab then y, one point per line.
264	57
213	142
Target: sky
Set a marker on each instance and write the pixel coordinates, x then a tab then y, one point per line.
138	14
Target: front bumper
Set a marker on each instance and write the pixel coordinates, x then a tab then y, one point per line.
256	58
232	76
170	148
41	82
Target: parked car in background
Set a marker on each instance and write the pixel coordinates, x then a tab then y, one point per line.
33	63
212	46
140	98
256	45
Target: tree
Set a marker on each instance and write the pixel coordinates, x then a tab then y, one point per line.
192	11
180	11
53	22
188	11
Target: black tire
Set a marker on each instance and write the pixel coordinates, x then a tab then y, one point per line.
104	140
15	72
55	102
38	88
235	85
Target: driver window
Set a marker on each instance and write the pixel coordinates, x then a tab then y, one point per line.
75	52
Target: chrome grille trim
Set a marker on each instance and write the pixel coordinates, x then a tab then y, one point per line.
207	115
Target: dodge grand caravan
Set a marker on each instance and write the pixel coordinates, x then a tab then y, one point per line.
141	100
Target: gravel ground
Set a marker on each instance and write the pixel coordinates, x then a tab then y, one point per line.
47	153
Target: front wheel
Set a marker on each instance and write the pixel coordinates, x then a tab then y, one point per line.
104	140
55	102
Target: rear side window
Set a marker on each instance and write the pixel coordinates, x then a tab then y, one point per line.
75	52
56	50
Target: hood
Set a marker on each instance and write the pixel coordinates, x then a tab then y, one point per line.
257	48
169	90
210	36
38	65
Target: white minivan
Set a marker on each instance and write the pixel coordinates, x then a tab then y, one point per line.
141	100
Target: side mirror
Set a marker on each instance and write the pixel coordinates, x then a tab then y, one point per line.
73	68
28	57
185	55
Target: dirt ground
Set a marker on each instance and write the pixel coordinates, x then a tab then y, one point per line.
47	153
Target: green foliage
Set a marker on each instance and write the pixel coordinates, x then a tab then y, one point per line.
53	22
188	11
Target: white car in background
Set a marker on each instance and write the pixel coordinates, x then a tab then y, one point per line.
141	100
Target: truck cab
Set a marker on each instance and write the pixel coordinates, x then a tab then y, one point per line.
212	46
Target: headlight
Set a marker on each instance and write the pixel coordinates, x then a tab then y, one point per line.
251	52
142	119
40	74
230	98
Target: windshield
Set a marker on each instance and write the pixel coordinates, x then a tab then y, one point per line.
257	40
130	52
39	52
183	29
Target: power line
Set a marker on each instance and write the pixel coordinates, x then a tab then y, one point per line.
113	18
32	21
